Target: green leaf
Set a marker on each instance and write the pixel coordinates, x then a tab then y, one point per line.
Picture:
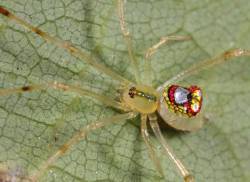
34	125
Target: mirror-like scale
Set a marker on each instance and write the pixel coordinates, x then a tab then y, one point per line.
187	101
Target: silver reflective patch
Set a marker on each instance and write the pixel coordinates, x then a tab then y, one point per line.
180	95
195	107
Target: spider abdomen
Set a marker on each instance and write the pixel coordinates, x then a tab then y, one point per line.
184	100
180	107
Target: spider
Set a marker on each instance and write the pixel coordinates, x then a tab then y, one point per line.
179	106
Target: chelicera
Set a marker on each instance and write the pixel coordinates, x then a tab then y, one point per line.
179	106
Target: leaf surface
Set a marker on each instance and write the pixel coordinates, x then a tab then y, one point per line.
34	125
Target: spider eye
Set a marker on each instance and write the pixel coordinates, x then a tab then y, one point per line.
187	101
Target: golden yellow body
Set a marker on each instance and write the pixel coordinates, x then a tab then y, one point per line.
144	99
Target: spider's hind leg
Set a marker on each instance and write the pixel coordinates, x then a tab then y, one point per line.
219	59
187	177
152	50
164	40
151	150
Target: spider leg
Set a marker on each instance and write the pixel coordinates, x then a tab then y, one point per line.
164	40
156	129
151	150
76	138
127	39
154	48
79	53
222	58
70	88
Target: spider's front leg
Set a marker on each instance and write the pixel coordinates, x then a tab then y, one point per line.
69	47
156	129
64	87
127	39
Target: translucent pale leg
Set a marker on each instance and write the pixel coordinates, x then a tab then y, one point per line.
226	56
164	40
154	48
127	38
82	55
60	86
76	138
156	129
151	151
